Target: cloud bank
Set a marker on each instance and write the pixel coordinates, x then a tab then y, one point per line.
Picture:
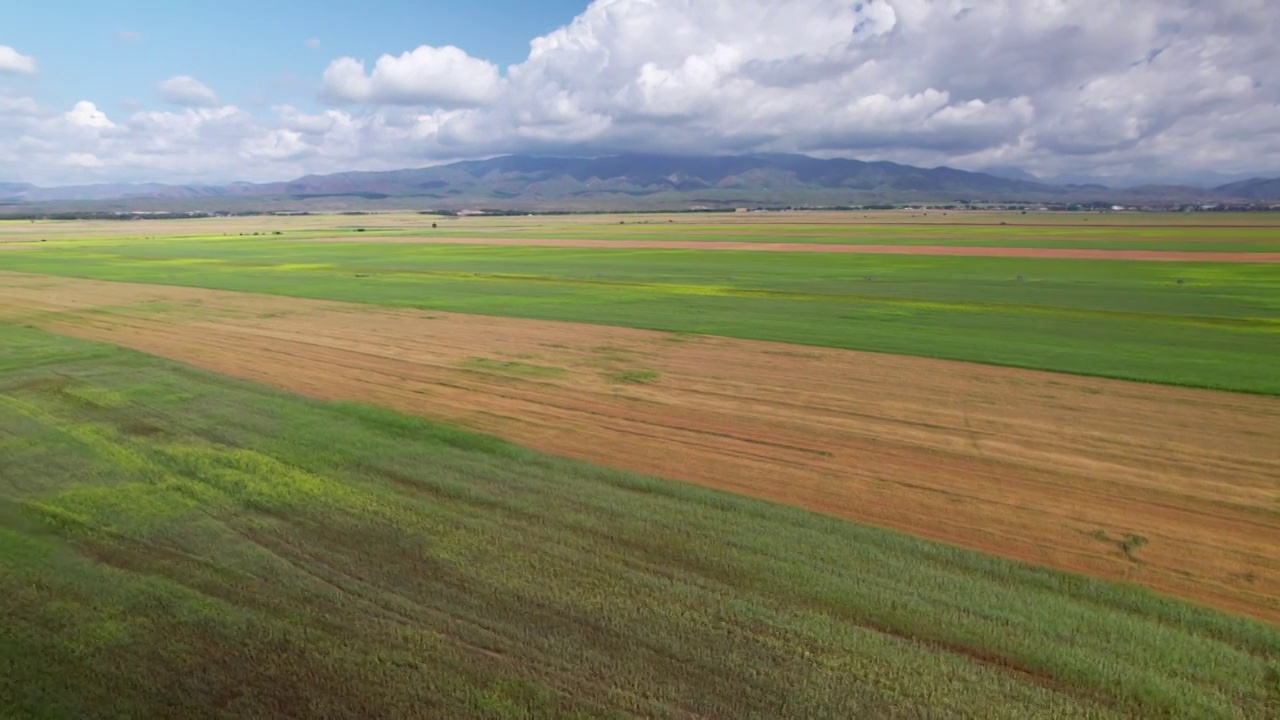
1145	90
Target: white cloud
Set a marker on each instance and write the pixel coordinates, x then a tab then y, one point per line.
82	161
444	76
186	91
275	145
24	106
85	145
12	61
313	43
130	36
87	115
1048	85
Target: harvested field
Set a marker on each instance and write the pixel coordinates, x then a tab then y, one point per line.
1172	488
952	250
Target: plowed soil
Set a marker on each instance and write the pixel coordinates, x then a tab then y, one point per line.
967	251
1052	469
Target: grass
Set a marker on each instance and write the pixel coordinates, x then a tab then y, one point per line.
177	544
512	367
636	377
1240	239
1213	325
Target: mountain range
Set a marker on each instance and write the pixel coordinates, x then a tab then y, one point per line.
644	181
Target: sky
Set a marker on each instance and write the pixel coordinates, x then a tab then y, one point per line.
214	92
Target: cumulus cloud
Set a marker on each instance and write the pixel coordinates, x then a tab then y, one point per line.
444	76
12	61
313	43
1120	89
186	91
87	115
1056	86
85	144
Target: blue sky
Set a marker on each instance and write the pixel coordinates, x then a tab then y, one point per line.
252	53
208	92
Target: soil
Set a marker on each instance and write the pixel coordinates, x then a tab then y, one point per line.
967	251
1051	469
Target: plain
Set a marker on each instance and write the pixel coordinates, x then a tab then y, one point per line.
1201	324
1042	467
178	543
188	546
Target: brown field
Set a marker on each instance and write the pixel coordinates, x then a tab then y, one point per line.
1011	252
1047	468
794	224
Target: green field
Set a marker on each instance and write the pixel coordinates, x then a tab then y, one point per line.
179	544
1213	325
1233	232
176	544
1183	239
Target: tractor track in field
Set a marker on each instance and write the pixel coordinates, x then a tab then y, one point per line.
1046	468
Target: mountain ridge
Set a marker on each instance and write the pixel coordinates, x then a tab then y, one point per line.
758	178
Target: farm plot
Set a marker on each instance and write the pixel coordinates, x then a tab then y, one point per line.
1210	232
1200	324
1066	253
1172	488
179	544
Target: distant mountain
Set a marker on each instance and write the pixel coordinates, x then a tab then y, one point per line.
649	180
1009	172
1199	179
107	191
1156	193
520	176
1259	189
13	191
1210	179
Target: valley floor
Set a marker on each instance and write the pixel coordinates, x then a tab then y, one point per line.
1053	469
896	465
